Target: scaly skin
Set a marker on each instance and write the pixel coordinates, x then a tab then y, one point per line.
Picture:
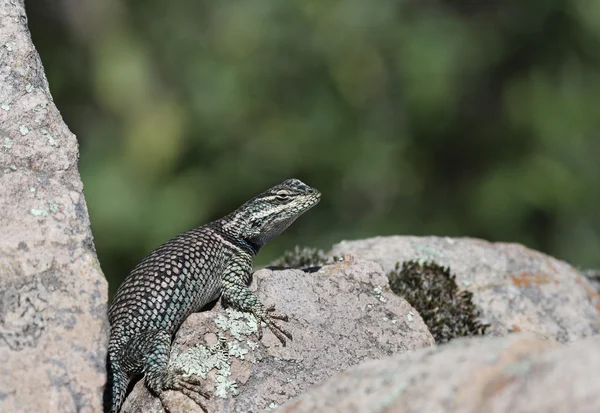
185	274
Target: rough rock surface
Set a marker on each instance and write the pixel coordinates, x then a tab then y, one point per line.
519	373
516	288
53	294
340	316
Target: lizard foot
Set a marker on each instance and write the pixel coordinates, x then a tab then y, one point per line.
191	386
267	315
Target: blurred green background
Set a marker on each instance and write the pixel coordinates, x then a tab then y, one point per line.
458	118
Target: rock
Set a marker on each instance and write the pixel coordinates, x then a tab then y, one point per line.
341	315
53	328
519	373
516	289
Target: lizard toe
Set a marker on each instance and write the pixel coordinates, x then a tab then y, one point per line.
267	316
190	386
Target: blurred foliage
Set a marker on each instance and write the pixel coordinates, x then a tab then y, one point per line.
446	117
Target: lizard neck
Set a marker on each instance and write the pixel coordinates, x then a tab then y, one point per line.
251	245
233	234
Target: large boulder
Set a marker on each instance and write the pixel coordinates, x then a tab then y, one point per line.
53	328
519	373
516	288
341	315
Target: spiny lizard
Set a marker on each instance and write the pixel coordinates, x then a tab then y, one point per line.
183	275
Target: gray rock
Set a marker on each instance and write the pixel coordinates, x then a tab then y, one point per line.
516	288
53	294
519	373
341	315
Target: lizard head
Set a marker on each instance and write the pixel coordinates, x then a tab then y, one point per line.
267	215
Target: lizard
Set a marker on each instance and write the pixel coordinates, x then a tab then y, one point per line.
182	276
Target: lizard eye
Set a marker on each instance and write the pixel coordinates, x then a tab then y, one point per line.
282	196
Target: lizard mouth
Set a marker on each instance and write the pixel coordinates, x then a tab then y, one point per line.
314	198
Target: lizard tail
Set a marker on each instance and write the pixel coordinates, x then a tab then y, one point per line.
116	387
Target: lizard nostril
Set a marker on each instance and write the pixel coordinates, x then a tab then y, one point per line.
305	188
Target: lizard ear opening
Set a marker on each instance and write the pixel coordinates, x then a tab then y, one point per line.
256	223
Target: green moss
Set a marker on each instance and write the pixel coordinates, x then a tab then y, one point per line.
431	289
301	257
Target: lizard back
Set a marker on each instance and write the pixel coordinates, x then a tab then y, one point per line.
176	279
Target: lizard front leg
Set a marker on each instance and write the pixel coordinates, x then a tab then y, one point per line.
237	295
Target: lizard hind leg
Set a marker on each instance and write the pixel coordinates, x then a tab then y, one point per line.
159	378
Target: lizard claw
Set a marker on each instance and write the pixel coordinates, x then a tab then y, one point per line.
267	315
191	386
277	316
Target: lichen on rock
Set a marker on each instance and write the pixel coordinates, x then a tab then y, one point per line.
302	257
431	289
